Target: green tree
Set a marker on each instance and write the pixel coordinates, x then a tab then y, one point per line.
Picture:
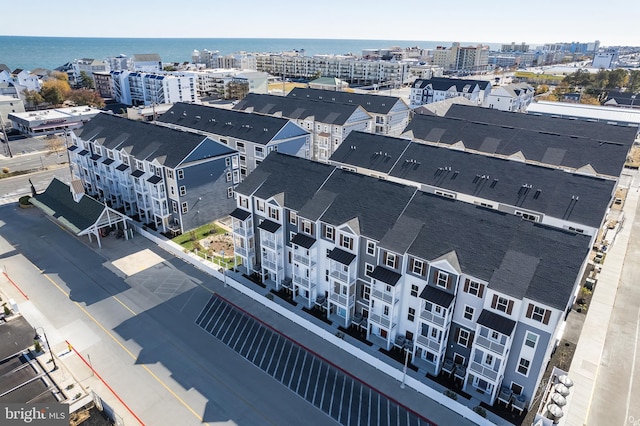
601	79
618	79
542	88
33	98
86	97
85	81
634	81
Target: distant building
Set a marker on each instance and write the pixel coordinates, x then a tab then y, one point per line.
466	59
623	99
513	47
9	104
328	122
88	66
50	121
440	88
606	114
148	62
514	97
120	63
228	83
141	88
605	60
103	84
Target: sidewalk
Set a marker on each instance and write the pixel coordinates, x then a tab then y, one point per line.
589	351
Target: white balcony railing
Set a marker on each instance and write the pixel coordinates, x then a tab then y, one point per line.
492	346
384	296
303	259
271	265
342	300
303	282
430	344
241	251
484	371
271	244
382	321
430	317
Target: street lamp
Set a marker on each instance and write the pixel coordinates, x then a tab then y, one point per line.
37	337
224	271
404	370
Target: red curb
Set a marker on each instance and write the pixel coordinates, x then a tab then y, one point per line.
16	286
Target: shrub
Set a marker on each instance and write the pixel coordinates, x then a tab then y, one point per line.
24	200
481	411
7	311
451	394
37	346
269	296
5	170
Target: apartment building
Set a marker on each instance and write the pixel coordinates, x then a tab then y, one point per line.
147	62
579	154
218	82
141	88
514	97
254	136
440	88
88	66
328	122
103	83
213	59
467	59
345	67
467	290
547	195
168	179
390	114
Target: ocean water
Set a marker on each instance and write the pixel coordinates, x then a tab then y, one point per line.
51	52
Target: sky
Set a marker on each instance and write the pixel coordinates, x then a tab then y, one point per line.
498	21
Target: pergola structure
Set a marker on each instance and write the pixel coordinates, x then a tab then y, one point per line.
78	212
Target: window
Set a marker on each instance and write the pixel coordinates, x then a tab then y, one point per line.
306	227
259	206
539	314
110	154
170	173
274	213
368	269
293	218
98	150
488	359
366	292
259	152
185	207
240	146
229	176
183	190
174	206
390	260
412	314
385	311
468	313
531	339
371	248
346	242
516	388
244	202
502	304
495	336
227	161
414	290
523	366
442	279
417	267
463	337
230	192
473	288
180	174
139	165
329	232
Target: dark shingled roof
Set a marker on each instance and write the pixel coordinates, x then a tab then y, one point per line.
303	240
539	123
553	191
269	226
437	296
341	256
376	104
260	129
298	109
280	173
108	161
146	141
154	179
572	152
122	167
58	198
486	241
443	83
496	322
137	173
238	213
385	275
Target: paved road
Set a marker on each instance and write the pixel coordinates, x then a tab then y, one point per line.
146	345
616	398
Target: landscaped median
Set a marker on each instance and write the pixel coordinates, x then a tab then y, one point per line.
211	242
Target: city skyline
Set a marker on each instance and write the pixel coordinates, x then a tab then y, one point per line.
496	22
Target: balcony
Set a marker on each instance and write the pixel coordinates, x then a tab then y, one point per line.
381	321
241	251
384	296
483	342
342	300
485	372
430	317
303	259
340	276
272	244
303	282
430	344
271	265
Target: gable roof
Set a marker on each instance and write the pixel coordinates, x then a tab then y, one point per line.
547	124
379	153
297	108
483	240
376	104
146	141
556	150
260	129
458	84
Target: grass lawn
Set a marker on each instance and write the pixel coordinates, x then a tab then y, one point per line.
187	239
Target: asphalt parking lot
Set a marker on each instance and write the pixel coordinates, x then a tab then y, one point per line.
326	386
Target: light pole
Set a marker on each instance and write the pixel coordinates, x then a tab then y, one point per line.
37	337
404	370
224	269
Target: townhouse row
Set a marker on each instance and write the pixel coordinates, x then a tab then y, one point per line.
464	289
